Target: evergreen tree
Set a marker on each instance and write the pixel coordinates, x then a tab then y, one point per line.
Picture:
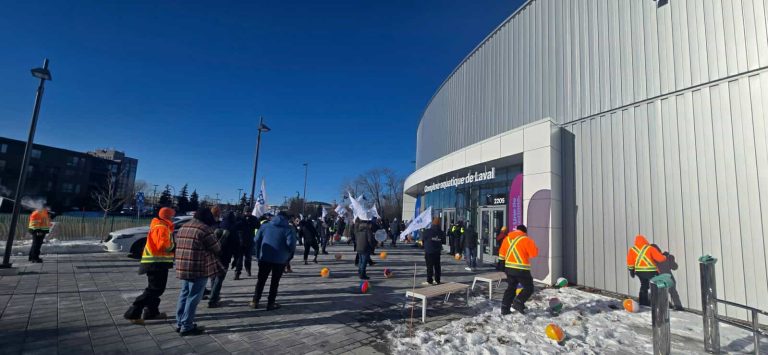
183	200
194	201
166	200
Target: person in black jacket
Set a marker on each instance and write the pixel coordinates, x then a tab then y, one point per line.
433	246
310	236
229	237
364	242
469	245
247	224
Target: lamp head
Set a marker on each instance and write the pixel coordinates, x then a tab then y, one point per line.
41	73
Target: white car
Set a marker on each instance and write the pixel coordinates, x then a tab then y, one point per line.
132	240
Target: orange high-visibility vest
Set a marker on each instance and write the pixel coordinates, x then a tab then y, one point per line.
39	220
160	246
517	250
642	256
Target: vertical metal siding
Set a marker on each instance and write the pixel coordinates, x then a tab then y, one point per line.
662	145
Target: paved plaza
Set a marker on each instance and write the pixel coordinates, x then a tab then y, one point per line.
73	304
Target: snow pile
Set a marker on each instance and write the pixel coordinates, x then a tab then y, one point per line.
593	324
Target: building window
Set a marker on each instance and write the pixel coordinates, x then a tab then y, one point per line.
77	188
36	153
3	148
49	187
2	165
69	172
73	161
67	187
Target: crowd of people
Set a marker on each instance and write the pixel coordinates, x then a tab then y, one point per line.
203	250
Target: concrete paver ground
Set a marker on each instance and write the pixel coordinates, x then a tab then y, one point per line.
73	303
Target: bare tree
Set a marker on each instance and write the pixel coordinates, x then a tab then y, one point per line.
373	183
382	187
107	197
394	184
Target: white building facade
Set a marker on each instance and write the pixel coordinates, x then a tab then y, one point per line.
592	121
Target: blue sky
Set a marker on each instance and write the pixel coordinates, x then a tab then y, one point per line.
180	84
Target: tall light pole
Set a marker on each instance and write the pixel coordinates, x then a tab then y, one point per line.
43	74
304	199
262	128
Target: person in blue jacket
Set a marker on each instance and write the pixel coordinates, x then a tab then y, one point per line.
274	245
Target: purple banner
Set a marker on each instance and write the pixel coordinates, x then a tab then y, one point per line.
515	202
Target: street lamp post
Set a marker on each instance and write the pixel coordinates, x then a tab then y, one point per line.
43	74
262	128
304	199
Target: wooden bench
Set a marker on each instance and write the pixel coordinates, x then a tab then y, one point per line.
490	278
445	289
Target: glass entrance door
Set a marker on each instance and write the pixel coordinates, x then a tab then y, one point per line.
490	220
447	218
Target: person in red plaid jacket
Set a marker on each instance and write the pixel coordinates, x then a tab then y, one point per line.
197	251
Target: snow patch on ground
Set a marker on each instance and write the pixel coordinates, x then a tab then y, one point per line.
55	246
593	324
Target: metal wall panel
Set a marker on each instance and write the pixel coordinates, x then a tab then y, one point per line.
666	117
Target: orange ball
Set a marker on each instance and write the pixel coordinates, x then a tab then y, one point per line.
554	332
324	272
383	255
631	306
338	256
457	256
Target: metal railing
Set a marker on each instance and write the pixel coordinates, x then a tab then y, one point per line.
74	227
709	303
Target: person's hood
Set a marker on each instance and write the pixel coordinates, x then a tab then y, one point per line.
162	220
640	241
280	221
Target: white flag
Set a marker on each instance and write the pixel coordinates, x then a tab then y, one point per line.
340	210
261	202
422	221
322	216
358	211
1	202
373	212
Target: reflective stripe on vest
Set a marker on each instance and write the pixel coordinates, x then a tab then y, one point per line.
512	251
164	256
641	256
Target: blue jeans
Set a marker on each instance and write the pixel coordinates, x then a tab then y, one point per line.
470	255
363	263
190	295
216	282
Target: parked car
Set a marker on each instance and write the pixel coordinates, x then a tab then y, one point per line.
132	240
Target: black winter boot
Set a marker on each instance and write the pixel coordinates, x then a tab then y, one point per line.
133	313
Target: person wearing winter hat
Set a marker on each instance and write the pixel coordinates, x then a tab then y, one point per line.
196	261
433	246
156	260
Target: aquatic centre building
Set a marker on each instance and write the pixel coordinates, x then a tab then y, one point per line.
592	121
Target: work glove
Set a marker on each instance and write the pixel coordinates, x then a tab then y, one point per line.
632	273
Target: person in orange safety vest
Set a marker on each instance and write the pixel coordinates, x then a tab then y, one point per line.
517	250
156	260
39	226
641	261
